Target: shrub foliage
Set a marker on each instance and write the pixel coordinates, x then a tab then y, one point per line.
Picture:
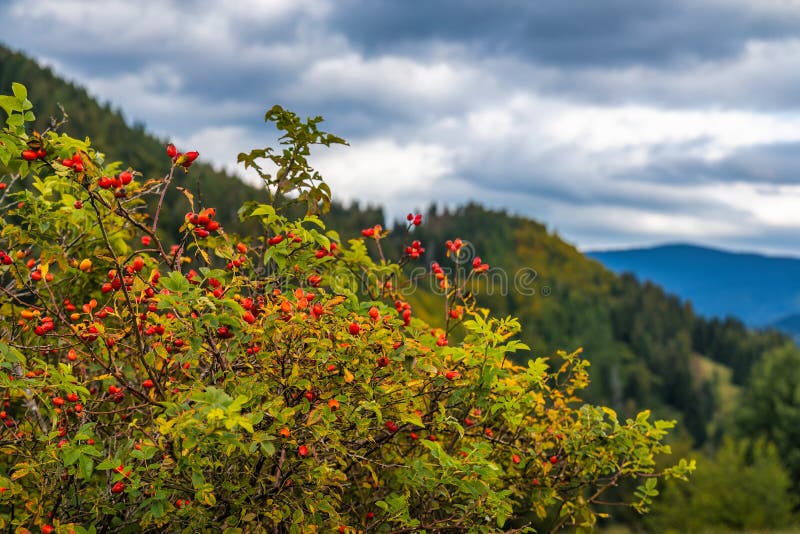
271	382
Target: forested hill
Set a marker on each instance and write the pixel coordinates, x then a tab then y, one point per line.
647	348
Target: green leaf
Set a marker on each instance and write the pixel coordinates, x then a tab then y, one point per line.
176	282
71	456
198	480
19	90
86	466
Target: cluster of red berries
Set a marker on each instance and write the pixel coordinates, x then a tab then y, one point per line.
224	332
251	309
391	426
322	252
416	220
36	272
304	299
7	420
116	182
185	160
415	250
90	333
45	325
203	222
438	272
404	309
75	162
241	260
115	393
375	231
115	281
154	330
453	246
478	266
58	402
374	313
30	155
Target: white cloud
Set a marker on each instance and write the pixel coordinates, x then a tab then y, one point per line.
399	175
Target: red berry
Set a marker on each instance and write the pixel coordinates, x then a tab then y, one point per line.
29	155
452	375
554	460
302	450
58	401
125	177
171	150
148	384
354	328
119	487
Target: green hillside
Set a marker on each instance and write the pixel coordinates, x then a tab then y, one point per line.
647	348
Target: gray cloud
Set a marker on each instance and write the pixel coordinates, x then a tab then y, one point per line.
612	33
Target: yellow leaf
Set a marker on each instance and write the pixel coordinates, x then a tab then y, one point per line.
189	196
335	301
348	376
19	473
315	415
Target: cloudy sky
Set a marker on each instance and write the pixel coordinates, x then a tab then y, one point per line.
615	122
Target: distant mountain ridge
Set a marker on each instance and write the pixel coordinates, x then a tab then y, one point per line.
761	290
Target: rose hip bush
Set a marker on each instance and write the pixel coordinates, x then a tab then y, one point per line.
270	382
